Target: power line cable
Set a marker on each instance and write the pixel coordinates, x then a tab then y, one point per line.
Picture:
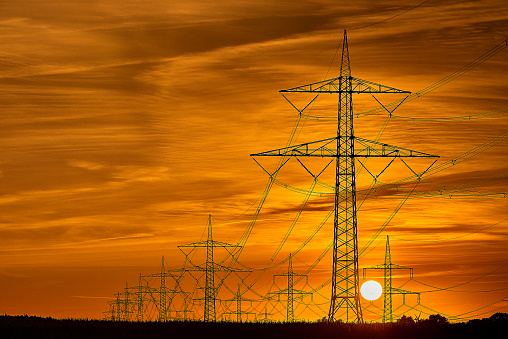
390	18
452	238
478	61
439	289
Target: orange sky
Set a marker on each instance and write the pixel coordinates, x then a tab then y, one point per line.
125	123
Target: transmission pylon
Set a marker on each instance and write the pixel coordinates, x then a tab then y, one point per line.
163	304
127	302
210	268
140	303
263	316
290	291
238	298
388	290
345	296
140	291
116	308
120	308
114	305
210	273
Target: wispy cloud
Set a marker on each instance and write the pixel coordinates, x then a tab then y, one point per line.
125	123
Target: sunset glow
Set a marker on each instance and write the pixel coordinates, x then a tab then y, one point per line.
126	123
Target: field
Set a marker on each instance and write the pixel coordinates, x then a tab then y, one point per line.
434	327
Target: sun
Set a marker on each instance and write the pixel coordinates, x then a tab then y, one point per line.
371	290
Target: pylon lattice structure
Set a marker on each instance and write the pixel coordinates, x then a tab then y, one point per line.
345	296
210	268
388	290
162	291
238	298
290	291
264	316
114	312
139	292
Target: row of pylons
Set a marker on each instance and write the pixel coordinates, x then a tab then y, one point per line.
343	148
146	303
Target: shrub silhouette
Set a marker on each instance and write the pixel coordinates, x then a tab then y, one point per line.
406	321
437	319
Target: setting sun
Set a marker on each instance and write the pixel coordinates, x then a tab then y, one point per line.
371	290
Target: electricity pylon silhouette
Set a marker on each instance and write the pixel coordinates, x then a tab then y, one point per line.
116	308
263	316
163	300
290	291
238	298
388	290
210	268
127	303
345	296
120	309
140	292
163	311
140	299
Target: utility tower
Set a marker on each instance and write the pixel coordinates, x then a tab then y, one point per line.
140	302
163	292
388	290
116	308
263	317
127	303
238	299
140	292
290	290
344	147
210	268
120	307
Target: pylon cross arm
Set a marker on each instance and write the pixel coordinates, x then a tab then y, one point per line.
399	267
205	243
334	86
326	148
217	268
367	148
318	148
364	86
401	291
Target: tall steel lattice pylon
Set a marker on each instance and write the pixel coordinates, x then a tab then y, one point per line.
388	290
163	305
210	290
210	269
345	296
209	276
238	298
290	291
163	311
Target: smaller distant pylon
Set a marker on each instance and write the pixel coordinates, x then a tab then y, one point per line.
290	291
388	290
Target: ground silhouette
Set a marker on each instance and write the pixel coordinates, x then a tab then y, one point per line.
435	327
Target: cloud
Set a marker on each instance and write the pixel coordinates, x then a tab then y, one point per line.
86	165
125	123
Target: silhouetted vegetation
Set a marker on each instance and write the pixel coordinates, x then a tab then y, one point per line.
436	326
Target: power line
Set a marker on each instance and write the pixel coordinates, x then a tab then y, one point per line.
453	238
390	18
439	289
